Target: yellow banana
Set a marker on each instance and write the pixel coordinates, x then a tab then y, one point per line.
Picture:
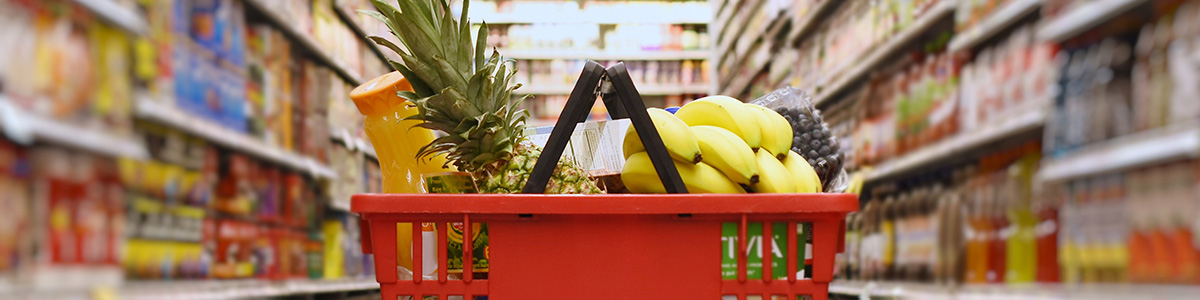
806	179
728	153
776	131
773	177
640	177
724	112
681	143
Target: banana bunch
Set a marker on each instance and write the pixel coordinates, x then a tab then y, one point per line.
721	145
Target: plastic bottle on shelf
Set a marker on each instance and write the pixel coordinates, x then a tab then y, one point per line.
1021	257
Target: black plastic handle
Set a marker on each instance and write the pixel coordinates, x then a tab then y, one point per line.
623	100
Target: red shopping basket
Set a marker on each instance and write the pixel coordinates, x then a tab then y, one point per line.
605	246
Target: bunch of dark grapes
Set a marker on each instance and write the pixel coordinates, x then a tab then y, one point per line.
814	141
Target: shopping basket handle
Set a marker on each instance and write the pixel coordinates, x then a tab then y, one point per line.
583	97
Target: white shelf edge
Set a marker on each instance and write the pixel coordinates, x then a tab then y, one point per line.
1022	121
655	90
1139	149
1044	291
124	18
810	20
1083	18
305	41
1006	16
26	128
355	144
147	108
241	288
606	55
876	57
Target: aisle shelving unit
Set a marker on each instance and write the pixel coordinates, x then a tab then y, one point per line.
923	291
1083	18
115	14
158	111
241	288
648	90
1011	12
1175	142
1021	121
27	128
599	55
880	54
304	41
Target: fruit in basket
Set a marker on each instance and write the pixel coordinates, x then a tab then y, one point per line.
641	177
724	112
681	143
806	178
814	141
773	177
776	132
728	153
467	95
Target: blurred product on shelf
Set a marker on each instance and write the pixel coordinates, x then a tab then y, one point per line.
851	32
594	12
73	70
977	223
1012	76
628	38
645	74
194	208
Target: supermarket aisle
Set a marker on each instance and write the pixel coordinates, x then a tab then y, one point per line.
182	149
1011	149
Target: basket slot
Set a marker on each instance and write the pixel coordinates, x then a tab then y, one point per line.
767	255
777	287
442	249
741	252
791	252
418	256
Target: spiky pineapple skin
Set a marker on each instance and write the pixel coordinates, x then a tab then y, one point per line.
511	178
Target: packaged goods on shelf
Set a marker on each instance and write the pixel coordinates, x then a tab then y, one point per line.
629	38
1128	82
67	69
915	231
1130	227
1015	75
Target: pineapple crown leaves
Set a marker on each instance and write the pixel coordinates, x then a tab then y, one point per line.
456	89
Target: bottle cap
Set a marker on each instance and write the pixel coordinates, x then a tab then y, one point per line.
379	94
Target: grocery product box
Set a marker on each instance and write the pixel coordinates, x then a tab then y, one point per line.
595	145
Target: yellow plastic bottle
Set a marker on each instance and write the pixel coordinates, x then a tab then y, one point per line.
396	145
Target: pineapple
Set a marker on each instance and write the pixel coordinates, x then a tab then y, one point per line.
459	91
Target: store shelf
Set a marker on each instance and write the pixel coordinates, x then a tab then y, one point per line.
809	22
1140	149
585	18
1033	291
1083	18
115	14
606	55
304	40
354	143
733	28
881	53
1001	19
743	78
240	289
27	128
347	18
1004	127
646	90
149	109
